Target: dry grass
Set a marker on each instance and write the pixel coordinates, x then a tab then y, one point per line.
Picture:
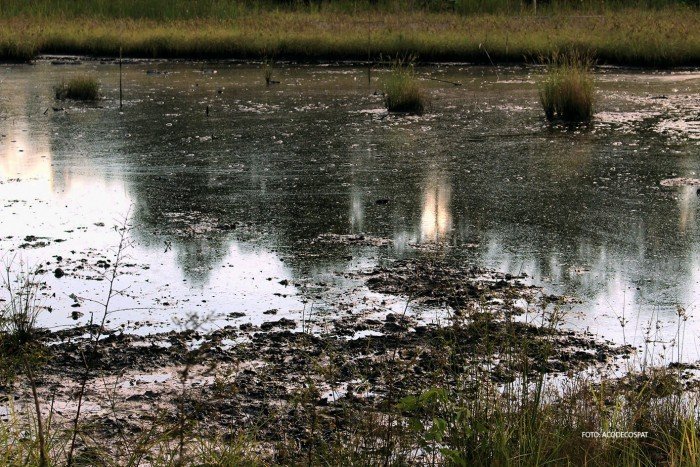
665	37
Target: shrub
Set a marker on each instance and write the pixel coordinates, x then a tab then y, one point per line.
567	90
80	89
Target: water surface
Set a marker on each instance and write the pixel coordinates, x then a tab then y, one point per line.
225	208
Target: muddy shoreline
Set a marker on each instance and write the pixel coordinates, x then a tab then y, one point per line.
238	375
333	308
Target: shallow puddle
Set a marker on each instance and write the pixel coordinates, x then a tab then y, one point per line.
244	199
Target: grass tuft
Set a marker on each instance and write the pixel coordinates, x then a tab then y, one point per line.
402	92
267	71
83	88
567	90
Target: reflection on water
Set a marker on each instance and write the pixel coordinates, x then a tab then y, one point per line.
357	213
436	219
25	157
225	207
687	201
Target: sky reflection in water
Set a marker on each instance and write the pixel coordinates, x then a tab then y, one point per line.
480	175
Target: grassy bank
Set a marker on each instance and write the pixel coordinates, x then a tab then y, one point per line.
232	9
661	37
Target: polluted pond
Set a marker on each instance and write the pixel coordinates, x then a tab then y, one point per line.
287	273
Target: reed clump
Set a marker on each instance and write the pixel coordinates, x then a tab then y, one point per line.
267	72
83	88
567	90
402	93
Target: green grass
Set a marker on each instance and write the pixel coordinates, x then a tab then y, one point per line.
402	92
82	88
566	93
668	36
231	9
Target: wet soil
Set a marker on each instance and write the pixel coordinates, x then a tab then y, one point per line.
271	374
601	212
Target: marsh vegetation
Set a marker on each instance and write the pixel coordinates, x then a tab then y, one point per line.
629	35
567	89
81	88
402	92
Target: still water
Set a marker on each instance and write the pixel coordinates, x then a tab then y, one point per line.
226	209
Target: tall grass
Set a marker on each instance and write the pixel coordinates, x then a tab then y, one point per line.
402	92
21	349
469	418
665	37
14	50
231	9
566	92
83	88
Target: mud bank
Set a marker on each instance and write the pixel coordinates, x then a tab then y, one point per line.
273	375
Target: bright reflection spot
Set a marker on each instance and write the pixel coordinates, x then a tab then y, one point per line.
22	158
686	204
357	213
436	218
